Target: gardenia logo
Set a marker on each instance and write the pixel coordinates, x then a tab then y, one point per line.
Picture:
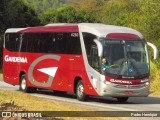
15	59
120	81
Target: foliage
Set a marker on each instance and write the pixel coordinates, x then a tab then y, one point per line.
14	13
67	14
155	77
41	6
91	6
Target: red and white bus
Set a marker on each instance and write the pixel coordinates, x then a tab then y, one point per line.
67	57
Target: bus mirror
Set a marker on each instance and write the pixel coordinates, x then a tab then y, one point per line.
100	47
155	50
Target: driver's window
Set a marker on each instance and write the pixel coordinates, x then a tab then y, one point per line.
94	58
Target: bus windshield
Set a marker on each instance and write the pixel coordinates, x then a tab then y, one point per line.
125	58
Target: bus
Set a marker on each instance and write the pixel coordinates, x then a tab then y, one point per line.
68	57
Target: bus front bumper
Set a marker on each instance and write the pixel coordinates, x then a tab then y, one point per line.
118	90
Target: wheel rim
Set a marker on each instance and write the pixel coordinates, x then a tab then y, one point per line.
23	84
80	90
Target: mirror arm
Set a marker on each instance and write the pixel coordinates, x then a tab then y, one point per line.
100	47
155	50
100	52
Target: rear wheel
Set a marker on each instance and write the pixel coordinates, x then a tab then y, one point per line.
23	85
122	99
80	91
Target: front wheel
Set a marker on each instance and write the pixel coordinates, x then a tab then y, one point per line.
80	91
23	85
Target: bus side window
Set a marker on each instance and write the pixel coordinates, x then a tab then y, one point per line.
59	43
50	42
28	42
12	41
73	44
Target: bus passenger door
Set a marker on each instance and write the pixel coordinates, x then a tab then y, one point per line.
95	68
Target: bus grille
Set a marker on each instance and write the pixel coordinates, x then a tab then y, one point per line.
130	86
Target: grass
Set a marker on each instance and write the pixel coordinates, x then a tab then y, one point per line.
18	101
155	77
32	103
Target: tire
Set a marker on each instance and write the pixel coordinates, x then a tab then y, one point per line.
80	91
23	85
122	99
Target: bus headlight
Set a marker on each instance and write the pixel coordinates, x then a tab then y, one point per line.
108	83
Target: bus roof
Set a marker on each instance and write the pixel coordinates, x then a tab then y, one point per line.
100	30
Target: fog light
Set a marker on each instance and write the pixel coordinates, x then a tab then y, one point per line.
147	83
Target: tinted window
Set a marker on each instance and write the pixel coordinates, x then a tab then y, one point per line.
12	42
73	44
58	43
88	42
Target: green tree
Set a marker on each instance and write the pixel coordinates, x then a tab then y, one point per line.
91	6
15	13
18	14
67	14
2	10
41	6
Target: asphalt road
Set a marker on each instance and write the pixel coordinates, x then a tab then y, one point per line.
151	103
